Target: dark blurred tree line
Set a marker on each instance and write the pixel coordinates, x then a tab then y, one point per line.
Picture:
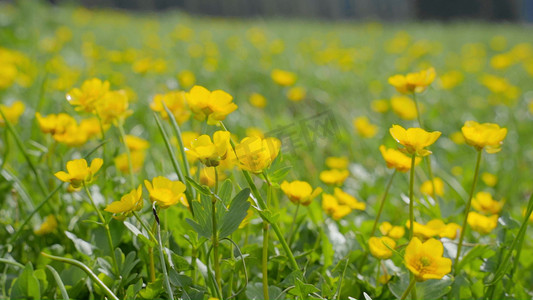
492	10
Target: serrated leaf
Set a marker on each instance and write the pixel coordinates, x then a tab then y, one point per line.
237	212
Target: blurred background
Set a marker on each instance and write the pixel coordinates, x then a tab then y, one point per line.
385	10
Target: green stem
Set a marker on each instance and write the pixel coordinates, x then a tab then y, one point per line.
86	269
265	261
411	197
382	204
108	232
128	153
417	111
215	244
162	256
294	218
467	210
409	288
145	226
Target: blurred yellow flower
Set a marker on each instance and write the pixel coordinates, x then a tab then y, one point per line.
380	106
331	206
415	140
413	82
210	152
427	187
340	163
300	192
404	107
363	126
334	176
137	161
296	93
395	232
128	203
79	173
489	179
214	106
487	135
87	97
208	176
113	107
435	227
380	247
175	102
396	159
258	100
457	137
254	131
165	192
135	143
12	112
283	78
484	203
344	198
54	123
49	225
481	223
451	79
425	260
186	79
255	154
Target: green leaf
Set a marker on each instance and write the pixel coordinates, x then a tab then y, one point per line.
59	282
254	291
139	234
429	289
201	188
180	263
225	191
304	289
280	174
202	222
237	212
153	290
473	254
81	245
133	290
26	285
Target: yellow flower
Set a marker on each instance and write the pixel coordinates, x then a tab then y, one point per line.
12	112
379	247
413	82
283	78
451	79
254	131
186	78
363	126
207	176
137	161
487	135
54	123
404	107
395	232
113	107
257	100
255	154
300	192
344	198
435	227
425	260
396	159
165	192
334	177
380	106
246	219
489	179
481	223
450	231
79	173
135	143
214	106
175	102
91	127
340	163
210	152
72	136
415	140
48	226
484	203
427	187
129	203
332	207
91	92
457	137
296	94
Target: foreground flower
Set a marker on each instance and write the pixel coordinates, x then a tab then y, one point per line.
79	173
255	154
334	177
12	112
214	106
364	128
165	192
129	203
427	187
380	247
415	140
396	159
300	192
481	223
395	232
48	226
413	82
210	152
487	135
484	203
425	260
87	97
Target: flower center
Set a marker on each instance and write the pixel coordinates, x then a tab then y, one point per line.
425	261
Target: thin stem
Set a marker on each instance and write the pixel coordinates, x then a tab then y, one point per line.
411	197
265	261
417	111
409	288
285	246
216	180
162	256
378	271
106	226
382	204
215	243
294	218
467	210
128	153
145	226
